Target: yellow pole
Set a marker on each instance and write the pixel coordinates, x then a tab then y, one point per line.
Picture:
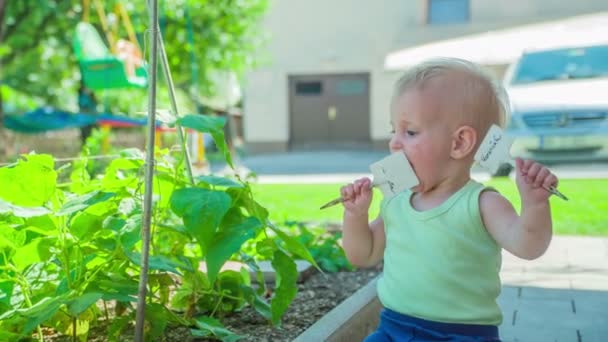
128	25
200	151
105	143
158	138
85	11
104	24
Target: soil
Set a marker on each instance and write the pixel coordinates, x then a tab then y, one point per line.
317	295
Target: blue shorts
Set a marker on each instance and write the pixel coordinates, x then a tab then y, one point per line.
399	327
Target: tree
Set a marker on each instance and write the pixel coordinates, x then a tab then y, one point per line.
200	36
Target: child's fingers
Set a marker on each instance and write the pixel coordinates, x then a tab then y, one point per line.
519	164
532	172
550	181
362	185
525	167
347	192
358	186
541	176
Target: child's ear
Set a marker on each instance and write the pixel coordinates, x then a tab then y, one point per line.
464	140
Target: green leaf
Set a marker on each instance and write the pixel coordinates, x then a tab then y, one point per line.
130	234
81	202
127	206
9	336
79	177
120	174
266	247
20	211
115	287
202	123
208	326
117	326
6	293
219	181
202	211
113	223
159	262
35	251
38	313
44	223
228	242
78	305
30	183
157	316
294	246
220	142
286	288
83	225
211	125
163	187
65	324
258	302
8	237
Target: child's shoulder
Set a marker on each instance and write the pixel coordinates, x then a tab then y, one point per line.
490	198
495	209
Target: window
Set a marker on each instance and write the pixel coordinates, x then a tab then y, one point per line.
561	64
350	87
448	12
309	88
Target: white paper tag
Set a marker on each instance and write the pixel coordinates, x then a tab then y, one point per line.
494	149
393	174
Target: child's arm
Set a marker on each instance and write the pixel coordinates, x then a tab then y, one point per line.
363	241
527	235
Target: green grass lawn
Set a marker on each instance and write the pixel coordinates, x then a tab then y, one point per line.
586	213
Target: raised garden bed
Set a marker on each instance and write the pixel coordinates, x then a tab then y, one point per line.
318	296
332	306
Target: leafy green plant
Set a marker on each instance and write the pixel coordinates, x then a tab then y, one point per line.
69	253
324	246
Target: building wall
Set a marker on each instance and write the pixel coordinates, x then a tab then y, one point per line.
354	36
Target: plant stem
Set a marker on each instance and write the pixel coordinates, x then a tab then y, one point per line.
105	309
219	301
74	329
25	289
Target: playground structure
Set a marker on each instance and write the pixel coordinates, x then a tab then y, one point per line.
117	65
121	65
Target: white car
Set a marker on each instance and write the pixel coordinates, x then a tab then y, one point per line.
559	104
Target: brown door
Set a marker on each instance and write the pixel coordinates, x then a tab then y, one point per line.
329	111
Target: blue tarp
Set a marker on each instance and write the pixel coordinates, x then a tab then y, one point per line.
49	119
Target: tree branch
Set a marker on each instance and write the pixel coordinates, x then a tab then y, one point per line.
20	19
35	41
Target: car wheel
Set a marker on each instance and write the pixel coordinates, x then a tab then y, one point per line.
503	171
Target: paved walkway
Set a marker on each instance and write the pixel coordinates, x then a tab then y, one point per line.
562	296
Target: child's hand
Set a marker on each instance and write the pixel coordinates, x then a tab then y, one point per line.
533	179
357	196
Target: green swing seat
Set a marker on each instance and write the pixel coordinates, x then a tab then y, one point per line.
99	68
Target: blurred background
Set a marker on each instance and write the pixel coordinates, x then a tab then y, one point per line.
332	67
296	76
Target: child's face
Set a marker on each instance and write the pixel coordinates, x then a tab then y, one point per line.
423	131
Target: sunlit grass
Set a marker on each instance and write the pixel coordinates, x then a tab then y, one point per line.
586	213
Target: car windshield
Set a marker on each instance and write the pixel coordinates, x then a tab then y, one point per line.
572	63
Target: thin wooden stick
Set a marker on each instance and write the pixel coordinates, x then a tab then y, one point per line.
340	199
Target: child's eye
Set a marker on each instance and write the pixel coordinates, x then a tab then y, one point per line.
410	133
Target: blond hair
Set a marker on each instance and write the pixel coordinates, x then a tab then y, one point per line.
484	101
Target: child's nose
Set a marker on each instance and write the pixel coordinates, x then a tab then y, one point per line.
394	144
